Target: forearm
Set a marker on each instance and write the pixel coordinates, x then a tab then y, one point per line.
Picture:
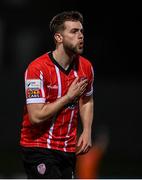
86	114
46	111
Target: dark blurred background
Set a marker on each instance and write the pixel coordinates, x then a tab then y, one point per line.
113	36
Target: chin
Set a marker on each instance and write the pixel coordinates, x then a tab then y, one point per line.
79	51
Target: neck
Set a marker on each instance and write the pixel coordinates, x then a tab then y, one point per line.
62	58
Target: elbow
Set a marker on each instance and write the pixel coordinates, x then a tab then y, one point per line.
35	120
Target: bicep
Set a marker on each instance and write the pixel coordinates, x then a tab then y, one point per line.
34	110
85	100
86	110
86	104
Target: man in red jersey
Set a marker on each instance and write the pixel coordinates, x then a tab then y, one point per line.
58	85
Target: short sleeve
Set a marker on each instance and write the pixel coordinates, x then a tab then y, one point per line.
34	85
89	90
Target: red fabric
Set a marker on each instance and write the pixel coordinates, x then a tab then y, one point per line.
43	85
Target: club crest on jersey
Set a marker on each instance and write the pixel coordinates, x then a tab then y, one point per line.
72	105
41	168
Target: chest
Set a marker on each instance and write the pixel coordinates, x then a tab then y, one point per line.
58	82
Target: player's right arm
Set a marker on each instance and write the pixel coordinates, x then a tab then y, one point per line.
40	112
38	109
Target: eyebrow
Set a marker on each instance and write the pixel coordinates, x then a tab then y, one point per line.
77	29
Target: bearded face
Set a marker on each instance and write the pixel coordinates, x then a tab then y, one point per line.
74	48
73	38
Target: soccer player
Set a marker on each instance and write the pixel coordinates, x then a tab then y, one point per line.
58	85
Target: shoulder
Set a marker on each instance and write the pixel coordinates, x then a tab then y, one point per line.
40	62
85	62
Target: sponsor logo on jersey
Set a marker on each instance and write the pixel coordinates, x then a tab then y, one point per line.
33	84
52	87
33	93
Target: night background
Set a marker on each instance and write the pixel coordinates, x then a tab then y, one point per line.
113	36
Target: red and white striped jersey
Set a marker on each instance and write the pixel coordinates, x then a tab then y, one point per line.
45	82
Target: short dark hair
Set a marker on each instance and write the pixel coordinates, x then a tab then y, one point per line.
57	22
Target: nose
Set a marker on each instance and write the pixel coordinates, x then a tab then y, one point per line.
81	35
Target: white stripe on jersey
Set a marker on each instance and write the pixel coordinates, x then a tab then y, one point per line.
75	74
35	100
25	79
59	82
50	137
69	127
42	89
71	118
91	91
58	96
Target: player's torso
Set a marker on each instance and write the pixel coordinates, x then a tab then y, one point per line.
60	131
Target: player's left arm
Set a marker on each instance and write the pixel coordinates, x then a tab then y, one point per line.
86	106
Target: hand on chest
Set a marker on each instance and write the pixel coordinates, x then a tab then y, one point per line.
59	83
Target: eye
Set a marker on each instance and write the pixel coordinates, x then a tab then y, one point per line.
82	31
74	30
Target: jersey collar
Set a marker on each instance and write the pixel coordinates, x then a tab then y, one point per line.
66	71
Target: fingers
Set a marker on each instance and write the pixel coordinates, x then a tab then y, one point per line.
86	149
79	151
75	81
83	149
82	82
81	86
79	145
79	141
77	88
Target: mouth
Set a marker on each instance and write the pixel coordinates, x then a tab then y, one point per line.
81	44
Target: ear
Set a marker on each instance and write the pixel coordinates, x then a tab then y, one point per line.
58	37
